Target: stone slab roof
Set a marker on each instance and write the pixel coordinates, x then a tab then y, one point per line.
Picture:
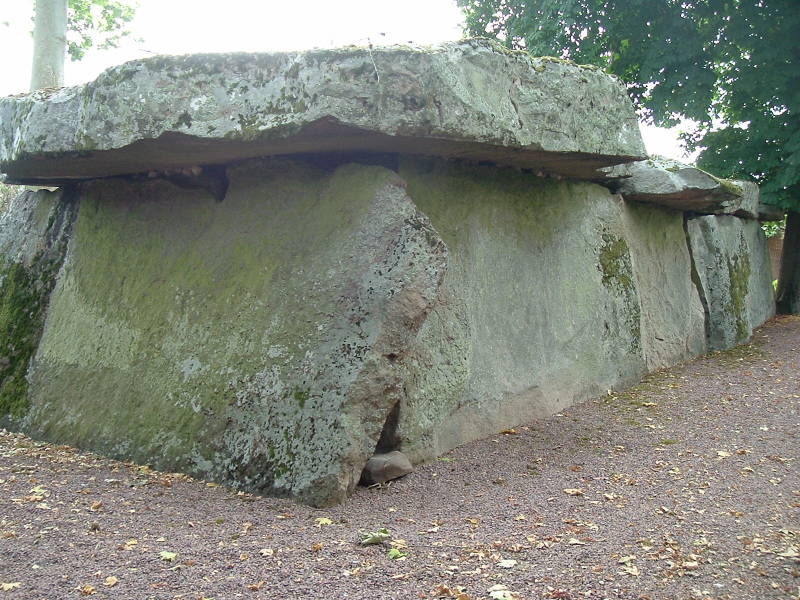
470	100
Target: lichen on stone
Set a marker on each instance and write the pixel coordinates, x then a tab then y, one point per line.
739	275
617	271
615	262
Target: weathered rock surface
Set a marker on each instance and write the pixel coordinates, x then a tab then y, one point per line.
682	187
321	314
471	100
381	468
275	322
254	341
550	297
34	229
734	276
673	319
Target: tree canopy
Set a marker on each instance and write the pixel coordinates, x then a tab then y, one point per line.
96	23
733	66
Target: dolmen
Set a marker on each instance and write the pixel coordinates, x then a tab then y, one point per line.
264	269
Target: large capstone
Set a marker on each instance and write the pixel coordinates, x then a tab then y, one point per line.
472	100
684	187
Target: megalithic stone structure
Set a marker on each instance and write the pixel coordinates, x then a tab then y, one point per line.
264	269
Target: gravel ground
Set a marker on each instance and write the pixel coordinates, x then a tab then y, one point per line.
684	487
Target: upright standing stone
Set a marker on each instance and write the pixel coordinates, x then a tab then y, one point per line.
733	273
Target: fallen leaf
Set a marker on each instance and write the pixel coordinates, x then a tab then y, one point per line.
396	554
7	587
254	587
508	563
97	505
443	591
369	538
575	542
168	556
266	552
510	432
87	590
501	592
323	521
317	547
723	454
111	581
574	491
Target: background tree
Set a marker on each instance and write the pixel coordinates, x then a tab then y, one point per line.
73	26
732	66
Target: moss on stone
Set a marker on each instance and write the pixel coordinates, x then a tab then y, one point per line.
301	396
617	270
739	275
23	299
615	262
728	185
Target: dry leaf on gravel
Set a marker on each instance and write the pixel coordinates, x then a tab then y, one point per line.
508	563
501	592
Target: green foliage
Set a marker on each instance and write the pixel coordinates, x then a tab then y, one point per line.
96	23
730	65
370	538
774	228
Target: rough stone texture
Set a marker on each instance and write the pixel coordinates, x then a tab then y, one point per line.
734	277
473	100
548	299
673	319
257	341
386	467
34	227
322	313
682	187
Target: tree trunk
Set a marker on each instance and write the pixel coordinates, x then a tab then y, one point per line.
49	44
788	299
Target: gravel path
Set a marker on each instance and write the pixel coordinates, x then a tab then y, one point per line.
684	487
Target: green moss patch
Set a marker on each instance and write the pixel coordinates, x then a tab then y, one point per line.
615	262
739	275
23	300
25	289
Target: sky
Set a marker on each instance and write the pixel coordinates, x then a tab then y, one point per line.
186	26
